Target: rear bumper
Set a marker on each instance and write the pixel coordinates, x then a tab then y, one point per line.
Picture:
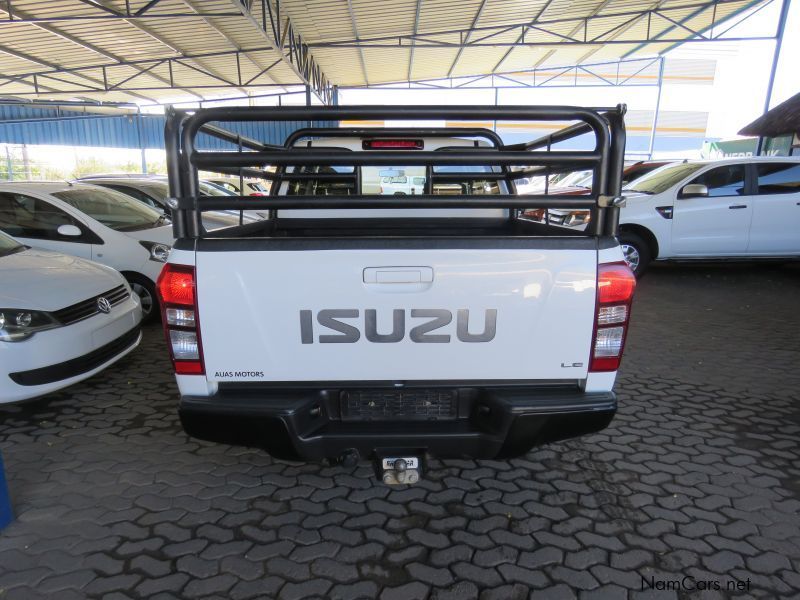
313	423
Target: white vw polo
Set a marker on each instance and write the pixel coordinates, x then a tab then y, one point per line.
91	222
62	319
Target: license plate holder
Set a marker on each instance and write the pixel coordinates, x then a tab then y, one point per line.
412	462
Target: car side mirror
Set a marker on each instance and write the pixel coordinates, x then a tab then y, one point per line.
694	190
69	230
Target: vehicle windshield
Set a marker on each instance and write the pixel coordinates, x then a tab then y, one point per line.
157	189
571	179
111	208
9	245
663	178
212	189
257	186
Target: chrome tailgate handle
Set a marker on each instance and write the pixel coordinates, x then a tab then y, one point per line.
393	275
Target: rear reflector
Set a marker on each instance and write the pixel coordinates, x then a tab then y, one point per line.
176	287
392	145
187	367
615	286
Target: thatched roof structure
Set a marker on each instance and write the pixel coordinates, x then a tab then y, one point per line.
784	119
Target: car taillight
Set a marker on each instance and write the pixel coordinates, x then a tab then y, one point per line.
176	292
615	286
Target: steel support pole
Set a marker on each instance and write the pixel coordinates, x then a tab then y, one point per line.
141	140
654	126
775	56
308	102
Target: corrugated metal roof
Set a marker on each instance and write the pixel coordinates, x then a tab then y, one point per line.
457	38
27	125
205	48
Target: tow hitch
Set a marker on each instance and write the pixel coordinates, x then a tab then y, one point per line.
404	470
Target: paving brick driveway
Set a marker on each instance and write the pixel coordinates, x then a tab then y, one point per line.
698	476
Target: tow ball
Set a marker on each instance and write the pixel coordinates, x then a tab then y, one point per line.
400	471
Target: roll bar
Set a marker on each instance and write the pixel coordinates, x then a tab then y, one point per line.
184	159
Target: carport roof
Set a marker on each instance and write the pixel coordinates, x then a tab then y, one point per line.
784	119
154	50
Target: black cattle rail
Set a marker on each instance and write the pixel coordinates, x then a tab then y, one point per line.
509	162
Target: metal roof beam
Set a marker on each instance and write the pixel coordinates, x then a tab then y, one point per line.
145	8
430	38
710	27
416	28
297	55
106	12
577	29
143	62
108	9
55	69
522	35
548	74
236	46
145	29
84	44
355	33
564	42
475	20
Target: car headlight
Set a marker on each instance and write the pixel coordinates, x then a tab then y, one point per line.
158	252
18	324
580	217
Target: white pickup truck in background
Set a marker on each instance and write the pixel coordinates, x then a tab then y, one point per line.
358	325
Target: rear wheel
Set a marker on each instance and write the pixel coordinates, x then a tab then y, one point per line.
146	290
636	252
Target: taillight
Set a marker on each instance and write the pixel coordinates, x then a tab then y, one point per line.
176	292
615	286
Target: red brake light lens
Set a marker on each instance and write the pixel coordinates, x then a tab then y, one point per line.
615	286
392	144
615	283
176	285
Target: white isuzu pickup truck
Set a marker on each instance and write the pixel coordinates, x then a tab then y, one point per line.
358	325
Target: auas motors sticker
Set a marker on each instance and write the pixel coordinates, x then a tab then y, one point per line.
238	374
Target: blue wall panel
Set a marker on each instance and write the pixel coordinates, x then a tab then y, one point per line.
46	126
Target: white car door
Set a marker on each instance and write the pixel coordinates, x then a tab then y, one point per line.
717	224
35	222
776	209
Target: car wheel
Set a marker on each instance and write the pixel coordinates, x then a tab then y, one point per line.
636	252
146	290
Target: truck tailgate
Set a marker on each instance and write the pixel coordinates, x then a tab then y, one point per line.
300	311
